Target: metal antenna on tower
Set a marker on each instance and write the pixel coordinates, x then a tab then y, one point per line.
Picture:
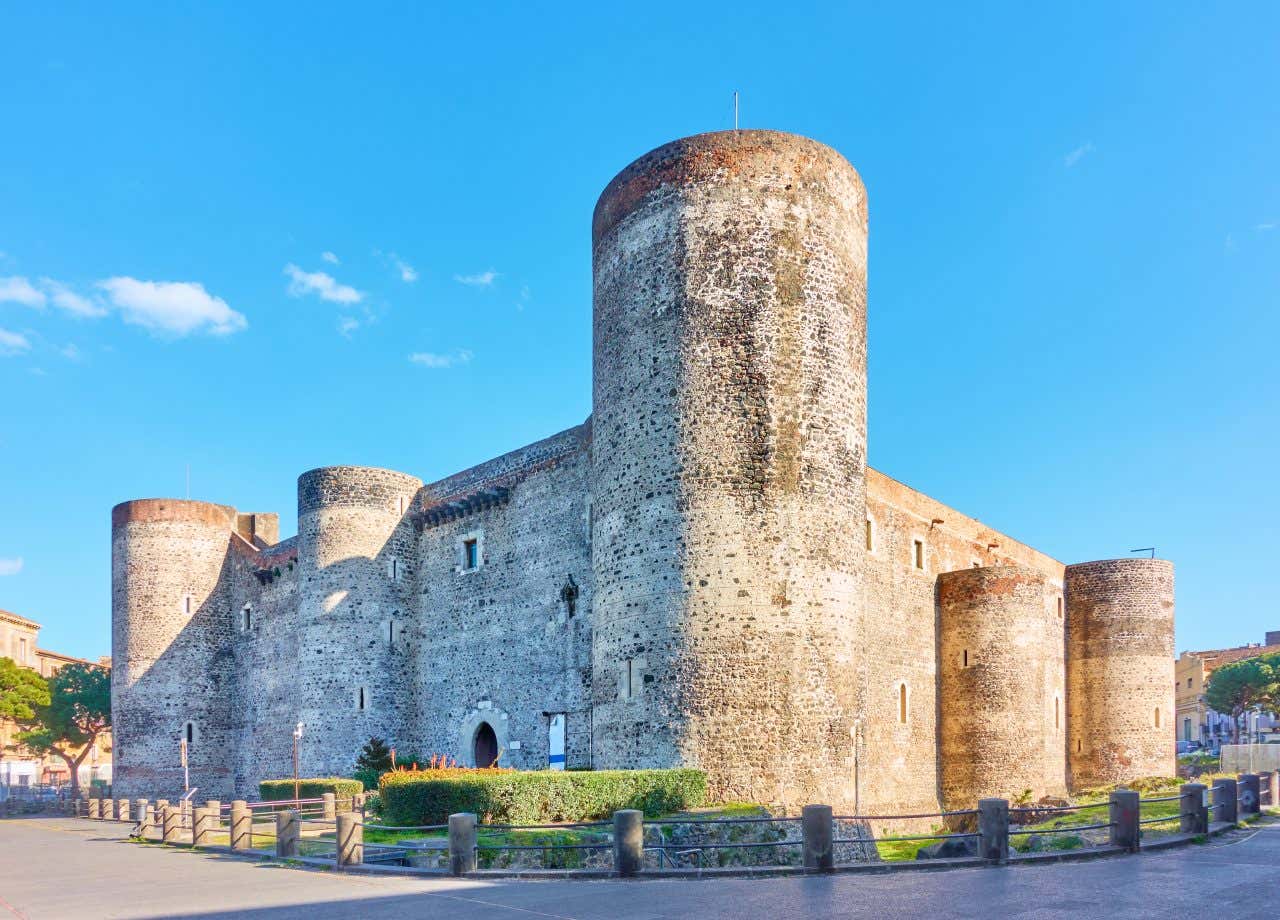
735	110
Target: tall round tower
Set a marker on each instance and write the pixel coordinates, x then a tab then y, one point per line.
1002	715
355	574
169	623
1119	671
728	463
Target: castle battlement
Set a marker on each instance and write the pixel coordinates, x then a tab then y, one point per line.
706	572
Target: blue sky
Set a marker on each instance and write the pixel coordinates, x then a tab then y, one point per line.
258	240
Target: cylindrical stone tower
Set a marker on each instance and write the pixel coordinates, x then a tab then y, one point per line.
1119	671
169	621
356	574
728	464
1002	715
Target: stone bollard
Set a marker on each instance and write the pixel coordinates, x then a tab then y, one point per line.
1272	786
628	842
993	830
141	813
330	806
350	839
170	823
122	810
95	808
1126	807
288	830
241	826
816	829
108	809
1224	801
462	843
203	823
215	805
1248	791
1193	809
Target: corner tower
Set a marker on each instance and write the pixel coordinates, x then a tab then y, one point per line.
729	461
1002	715
170	623
1119	670
356	572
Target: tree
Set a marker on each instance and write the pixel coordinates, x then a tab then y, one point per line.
1243	685
375	757
21	691
77	714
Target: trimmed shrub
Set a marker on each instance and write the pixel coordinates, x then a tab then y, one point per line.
275	790
536	797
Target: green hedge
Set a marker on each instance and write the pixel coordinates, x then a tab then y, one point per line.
274	790
537	797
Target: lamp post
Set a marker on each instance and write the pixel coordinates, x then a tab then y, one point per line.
297	739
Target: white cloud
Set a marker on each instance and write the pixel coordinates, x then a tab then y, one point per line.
432	359
482	279
347	325
13	343
330	258
322	284
1267	225
172	307
408	274
17	289
66	299
1075	156
10	566
70	351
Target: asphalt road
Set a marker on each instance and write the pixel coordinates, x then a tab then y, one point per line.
63	868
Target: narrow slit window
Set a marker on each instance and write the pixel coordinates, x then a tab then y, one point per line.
1057	718
871	536
966	659
1079	745
361	699
246	618
902	704
186	604
917	553
1157	716
1059	608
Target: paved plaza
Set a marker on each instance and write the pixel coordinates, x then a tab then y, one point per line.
64	868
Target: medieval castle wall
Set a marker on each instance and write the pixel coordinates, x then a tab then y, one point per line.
705	573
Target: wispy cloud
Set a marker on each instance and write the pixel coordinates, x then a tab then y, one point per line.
408	274
175	308
10	566
16	289
1266	225
13	343
330	258
66	299
432	359
322	284
481	279
1075	156
347	325
70	351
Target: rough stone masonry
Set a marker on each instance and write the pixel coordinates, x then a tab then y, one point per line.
705	573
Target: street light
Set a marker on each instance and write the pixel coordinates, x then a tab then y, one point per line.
297	738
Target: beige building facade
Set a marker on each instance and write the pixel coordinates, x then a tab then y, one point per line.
19	640
1199	726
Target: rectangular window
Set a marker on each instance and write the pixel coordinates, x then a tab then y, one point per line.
555	742
871	536
22	650
470	554
246	618
917	553
1059	608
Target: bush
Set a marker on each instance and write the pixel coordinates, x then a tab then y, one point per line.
275	790
536	797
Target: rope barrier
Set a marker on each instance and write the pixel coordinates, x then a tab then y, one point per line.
1163	798
551	846
1057	808
936	814
904	839
484	828
1063	830
1160	820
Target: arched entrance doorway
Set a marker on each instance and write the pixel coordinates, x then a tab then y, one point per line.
485	746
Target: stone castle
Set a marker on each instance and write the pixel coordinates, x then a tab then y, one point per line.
706	572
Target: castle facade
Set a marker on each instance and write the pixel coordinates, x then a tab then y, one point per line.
705	573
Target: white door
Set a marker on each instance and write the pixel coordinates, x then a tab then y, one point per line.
555	742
